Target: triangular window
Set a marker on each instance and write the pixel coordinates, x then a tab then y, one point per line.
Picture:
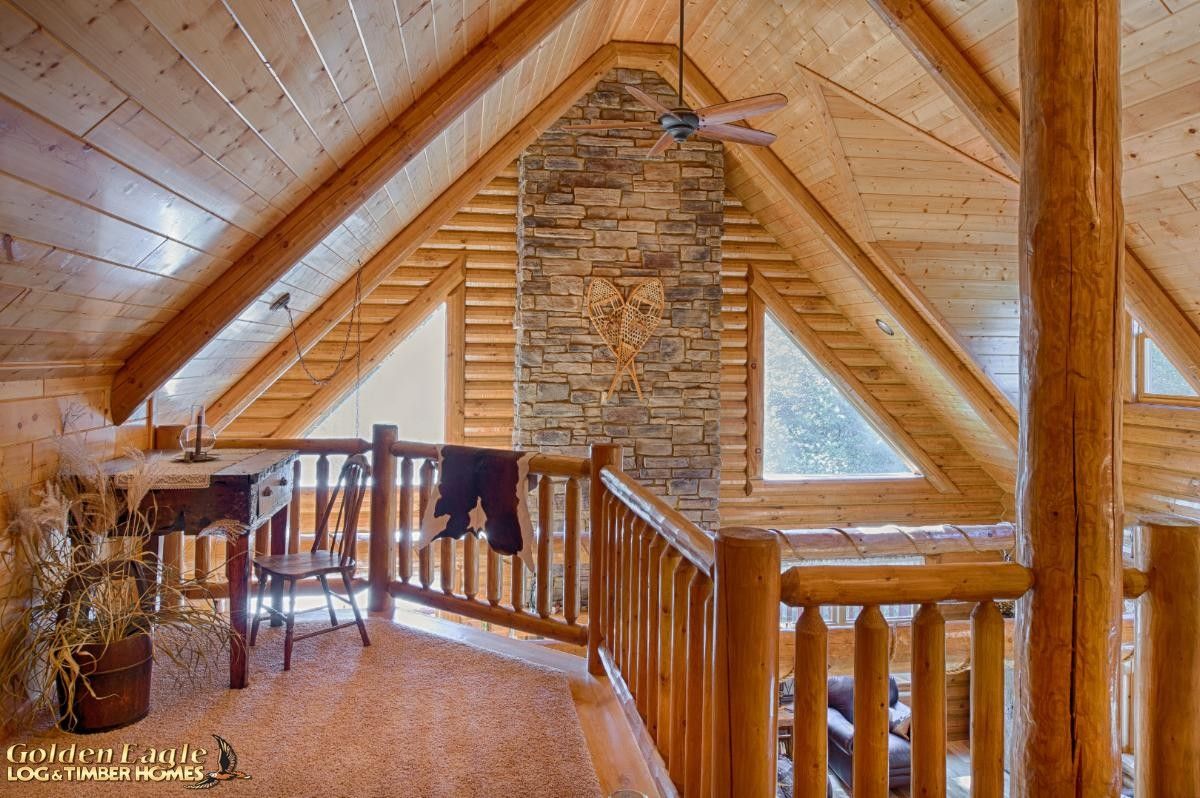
1154	377
810	429
408	389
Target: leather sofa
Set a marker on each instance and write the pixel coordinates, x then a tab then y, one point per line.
841	734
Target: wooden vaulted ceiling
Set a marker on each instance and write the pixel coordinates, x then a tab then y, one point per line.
167	167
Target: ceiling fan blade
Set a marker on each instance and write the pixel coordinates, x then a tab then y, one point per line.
609	125
648	101
660	145
742	135
740	109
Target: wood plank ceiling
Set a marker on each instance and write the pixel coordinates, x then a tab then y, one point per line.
145	145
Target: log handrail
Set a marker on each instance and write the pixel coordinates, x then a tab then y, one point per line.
554	465
798	545
693	543
871	586
854	585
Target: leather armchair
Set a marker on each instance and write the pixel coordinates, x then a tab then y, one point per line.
840	720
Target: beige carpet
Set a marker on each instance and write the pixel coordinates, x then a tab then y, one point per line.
412	715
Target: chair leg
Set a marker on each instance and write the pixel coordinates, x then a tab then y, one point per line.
291	625
328	599
262	584
362	627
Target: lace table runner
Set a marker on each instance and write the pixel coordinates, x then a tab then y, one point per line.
166	473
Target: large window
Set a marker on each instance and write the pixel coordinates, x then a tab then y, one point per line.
1155	378
408	390
810	429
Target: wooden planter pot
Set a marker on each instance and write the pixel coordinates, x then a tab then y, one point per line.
119	675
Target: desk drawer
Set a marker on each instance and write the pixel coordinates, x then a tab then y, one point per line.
273	492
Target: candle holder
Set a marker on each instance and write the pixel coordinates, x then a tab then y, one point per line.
197	439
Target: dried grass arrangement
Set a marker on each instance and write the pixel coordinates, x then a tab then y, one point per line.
72	553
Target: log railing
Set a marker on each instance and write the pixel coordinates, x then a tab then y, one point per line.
466	576
686	627
870	586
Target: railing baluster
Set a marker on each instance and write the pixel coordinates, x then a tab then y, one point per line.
929	702
495	576
262	541
201	558
571	553
405	521
679	652
810	740
871	636
517	588
322	499
446	565
698	595
612	567
661	725
648	677
294	510
600	555
640	623
545	541
625	588
425	553
987	701
470	584
706	736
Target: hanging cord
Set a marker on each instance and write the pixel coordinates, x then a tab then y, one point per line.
355	326
681	105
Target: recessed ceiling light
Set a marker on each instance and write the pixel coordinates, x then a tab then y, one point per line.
883	325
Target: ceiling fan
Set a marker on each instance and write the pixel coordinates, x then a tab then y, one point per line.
681	123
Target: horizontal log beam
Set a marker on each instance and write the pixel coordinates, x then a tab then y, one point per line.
338	198
855	585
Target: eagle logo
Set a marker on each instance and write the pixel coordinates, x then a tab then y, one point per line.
228	768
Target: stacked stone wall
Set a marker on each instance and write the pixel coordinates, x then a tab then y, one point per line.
593	205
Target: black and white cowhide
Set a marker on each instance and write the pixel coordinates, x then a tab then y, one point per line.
482	490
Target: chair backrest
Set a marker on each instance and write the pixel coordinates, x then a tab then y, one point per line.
343	533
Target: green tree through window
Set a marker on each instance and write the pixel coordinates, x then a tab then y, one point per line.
811	429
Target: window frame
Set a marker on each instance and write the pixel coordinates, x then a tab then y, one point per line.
756	480
1138	340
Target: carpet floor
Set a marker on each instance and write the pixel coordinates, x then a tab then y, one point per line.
412	715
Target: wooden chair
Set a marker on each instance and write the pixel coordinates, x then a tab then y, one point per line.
320	561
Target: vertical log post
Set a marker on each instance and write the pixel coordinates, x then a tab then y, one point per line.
571	553
871	688
602	456
405	521
1168	664
383	512
810	737
746	688
1069	470
294	510
929	703
987	701
322	500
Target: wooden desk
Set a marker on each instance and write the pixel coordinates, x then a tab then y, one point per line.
251	487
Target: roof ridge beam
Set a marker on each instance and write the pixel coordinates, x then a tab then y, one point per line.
334	201
1146	299
314	326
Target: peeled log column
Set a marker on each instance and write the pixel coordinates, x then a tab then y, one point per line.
1168	664
1068	501
929	703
